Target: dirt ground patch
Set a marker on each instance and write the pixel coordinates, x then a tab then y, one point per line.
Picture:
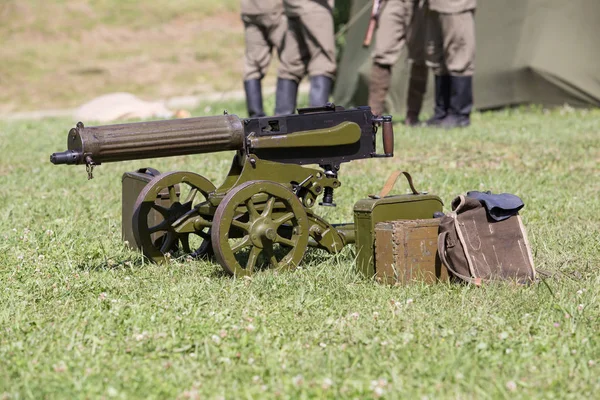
51	63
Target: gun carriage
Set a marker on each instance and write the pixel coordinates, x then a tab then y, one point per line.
264	211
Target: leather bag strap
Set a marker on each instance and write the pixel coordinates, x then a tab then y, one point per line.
442	254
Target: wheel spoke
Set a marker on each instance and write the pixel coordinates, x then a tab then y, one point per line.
191	195
284	218
169	239
268	207
252	209
285	241
173	196
270	255
273	261
162	210
163	226
185	243
240	245
252	257
239	224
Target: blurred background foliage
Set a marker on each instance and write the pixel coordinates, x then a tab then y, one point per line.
341	15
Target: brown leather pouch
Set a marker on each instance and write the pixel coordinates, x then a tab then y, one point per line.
475	248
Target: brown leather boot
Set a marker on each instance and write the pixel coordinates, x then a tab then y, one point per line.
379	84
417	85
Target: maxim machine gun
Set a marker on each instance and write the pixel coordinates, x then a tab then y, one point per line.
263	214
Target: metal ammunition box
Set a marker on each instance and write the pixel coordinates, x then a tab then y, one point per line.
369	212
406	251
132	185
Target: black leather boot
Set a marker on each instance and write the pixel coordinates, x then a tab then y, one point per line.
285	96
320	88
461	102
442	100
254	101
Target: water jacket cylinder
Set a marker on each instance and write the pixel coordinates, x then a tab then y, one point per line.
153	139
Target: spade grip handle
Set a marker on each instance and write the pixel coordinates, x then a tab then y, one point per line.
388	136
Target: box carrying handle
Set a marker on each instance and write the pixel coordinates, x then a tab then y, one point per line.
389	184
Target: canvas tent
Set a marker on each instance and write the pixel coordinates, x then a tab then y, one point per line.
528	51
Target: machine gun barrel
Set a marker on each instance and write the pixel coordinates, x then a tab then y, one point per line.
134	141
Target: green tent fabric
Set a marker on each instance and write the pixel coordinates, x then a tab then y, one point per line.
528	51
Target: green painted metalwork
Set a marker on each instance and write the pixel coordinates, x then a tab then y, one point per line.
342	134
263	214
369	212
308	183
259	219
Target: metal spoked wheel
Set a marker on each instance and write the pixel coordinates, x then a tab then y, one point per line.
171	195
259	223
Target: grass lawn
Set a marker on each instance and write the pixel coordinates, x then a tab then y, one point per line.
81	316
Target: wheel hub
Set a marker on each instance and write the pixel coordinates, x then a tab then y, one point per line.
263	232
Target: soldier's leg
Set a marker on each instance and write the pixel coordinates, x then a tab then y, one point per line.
293	66
276	32
459	44
417	86
318	35
415	41
320	41
257	59
287	89
389	41
434	47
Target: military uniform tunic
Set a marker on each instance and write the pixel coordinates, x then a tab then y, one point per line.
264	28
309	44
